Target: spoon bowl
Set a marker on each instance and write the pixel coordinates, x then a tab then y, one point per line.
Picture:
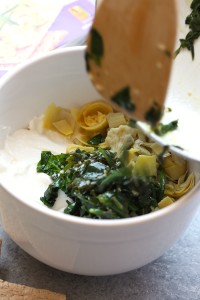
129	54
181	86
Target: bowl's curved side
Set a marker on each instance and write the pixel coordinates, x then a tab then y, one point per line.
94	250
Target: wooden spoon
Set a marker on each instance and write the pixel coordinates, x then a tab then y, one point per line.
129	54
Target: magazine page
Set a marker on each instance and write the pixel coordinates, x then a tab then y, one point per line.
32	27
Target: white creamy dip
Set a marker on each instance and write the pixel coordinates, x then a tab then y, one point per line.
19	158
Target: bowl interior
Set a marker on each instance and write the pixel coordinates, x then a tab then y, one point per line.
57	77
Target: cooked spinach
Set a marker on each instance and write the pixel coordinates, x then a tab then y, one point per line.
162	180
178	147
154	114
99	185
160	156
132	123
96	140
162	129
87	61
193	21
123	99
50	195
96	46
167	53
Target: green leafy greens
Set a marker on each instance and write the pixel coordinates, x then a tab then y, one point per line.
123	99
96	51
154	114
96	140
99	185
193	20
162	129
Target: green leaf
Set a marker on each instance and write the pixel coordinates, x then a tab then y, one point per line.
51	164
132	123
109	156
193	21
50	195
154	114
87	61
162	180
96	46
95	171
162	129
96	140
123	99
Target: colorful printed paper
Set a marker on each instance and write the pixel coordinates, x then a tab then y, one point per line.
31	27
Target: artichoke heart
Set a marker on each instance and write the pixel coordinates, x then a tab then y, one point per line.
92	116
166	201
58	119
81	139
176	190
63	127
174	166
145	165
116	119
73	147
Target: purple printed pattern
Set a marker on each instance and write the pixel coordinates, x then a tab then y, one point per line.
27	30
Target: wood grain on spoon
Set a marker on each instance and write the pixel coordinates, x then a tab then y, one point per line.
129	54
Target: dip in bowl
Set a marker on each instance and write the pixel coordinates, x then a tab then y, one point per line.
69	243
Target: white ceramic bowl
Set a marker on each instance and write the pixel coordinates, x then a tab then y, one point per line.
68	243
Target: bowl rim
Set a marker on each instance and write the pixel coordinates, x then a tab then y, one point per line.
65	218
36	59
